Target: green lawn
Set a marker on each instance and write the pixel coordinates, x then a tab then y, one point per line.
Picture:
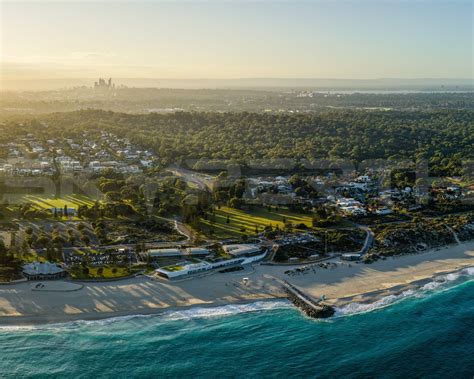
244	221
173	268
32	256
71	201
108	272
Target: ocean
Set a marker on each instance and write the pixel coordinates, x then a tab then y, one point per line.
427	333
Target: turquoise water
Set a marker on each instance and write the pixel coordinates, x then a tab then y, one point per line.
427	333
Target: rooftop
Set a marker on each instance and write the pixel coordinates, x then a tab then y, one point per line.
40	268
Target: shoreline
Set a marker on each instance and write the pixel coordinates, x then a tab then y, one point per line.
399	290
34	321
346	285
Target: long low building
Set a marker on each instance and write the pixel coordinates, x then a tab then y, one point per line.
242	250
186	269
178	252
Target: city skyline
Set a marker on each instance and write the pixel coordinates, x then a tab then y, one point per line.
215	40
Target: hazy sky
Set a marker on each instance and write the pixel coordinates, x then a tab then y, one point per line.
237	39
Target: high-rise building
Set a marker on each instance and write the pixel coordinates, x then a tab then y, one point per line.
102	84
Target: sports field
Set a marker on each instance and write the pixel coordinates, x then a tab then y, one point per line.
231	222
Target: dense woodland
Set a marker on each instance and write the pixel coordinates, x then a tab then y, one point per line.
146	100
445	138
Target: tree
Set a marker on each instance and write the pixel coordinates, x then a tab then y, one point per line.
235	203
42	241
58	240
3	253
296	181
50	256
85	238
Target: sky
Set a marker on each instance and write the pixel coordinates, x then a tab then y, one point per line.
237	39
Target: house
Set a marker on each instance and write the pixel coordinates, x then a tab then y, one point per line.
363	179
383	211
146	163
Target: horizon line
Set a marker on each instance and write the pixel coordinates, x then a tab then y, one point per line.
239	78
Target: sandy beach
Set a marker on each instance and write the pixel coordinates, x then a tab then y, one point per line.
23	304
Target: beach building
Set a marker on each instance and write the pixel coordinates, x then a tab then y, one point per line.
43	271
187	269
178	252
242	250
165	253
241	254
197	251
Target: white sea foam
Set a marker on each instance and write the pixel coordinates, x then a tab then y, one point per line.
71	324
438	284
355	308
227	310
191	313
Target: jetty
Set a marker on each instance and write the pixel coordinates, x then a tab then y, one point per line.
302	301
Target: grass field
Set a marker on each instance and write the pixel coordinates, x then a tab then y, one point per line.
72	201
108	272
42	203
244	221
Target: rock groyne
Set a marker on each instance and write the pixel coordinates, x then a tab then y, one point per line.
307	305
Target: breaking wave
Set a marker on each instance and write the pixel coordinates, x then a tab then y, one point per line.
227	310
171	315
438	284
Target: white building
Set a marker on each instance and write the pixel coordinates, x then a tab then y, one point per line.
177	252
43	271
242	250
186	269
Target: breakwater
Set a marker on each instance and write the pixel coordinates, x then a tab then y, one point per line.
306	304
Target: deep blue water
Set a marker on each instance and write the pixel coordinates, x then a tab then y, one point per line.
427	334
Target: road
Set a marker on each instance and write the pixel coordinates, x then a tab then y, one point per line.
184	230
369	239
202	181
